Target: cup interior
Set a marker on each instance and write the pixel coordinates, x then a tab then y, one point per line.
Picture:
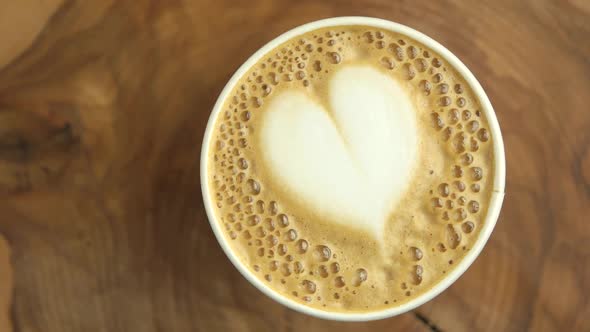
496	197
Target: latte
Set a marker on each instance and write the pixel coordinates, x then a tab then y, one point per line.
351	169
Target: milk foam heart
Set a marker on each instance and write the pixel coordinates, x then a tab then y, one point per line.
350	160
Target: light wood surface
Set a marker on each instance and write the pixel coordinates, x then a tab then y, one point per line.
103	105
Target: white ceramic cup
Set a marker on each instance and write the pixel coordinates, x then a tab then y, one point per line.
494	204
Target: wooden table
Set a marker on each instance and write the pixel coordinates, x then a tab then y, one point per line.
103	106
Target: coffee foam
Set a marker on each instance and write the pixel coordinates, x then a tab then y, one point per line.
363	145
289	241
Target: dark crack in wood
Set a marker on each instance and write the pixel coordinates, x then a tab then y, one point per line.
427	322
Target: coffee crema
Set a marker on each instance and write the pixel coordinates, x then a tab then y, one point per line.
351	169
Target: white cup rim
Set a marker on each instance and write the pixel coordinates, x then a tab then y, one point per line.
495	201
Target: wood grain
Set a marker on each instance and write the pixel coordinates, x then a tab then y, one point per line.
103	105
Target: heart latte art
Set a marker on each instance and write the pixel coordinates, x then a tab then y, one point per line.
349	160
350	169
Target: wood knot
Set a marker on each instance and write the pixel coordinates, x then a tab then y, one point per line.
33	149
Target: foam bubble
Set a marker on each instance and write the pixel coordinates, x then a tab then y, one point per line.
317	66
260	206
426	86
462	200
459	214
421	65
253	186
467	227
291	235
254	220
444	189
437	120
450	204
476	173
457	171
409	71
417	272
416	253
461	102
361	276
472	126
272	241
467	159
242	163
459	185
269	225
473	206
274	265
309	286
322	253
273	208
368	37
286	269
282	249
283	220
396	50
266	90
335	267
323	271
437	202
483	135
302	246
334	57
298	267
437	78
260	232
447	133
